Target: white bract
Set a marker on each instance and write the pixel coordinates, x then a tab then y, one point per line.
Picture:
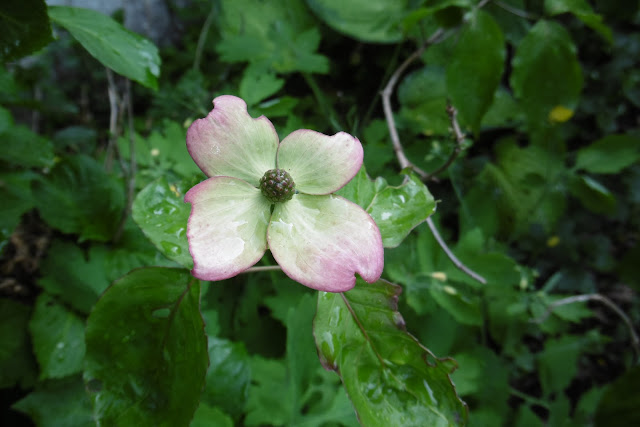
319	239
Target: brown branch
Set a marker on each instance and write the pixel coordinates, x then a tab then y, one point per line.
404	162
635	341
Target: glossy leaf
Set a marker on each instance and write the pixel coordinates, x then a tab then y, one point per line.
55	403
396	210
25	28
146	350
376	21
160	211
58	338
389	376
546	72
79	197
123	51
476	67
610	154
17	365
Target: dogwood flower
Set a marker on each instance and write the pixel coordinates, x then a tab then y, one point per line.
264	193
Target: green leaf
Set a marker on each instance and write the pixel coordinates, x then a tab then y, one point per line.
228	376
593	195
79	197
423	97
248	34
25	28
583	11
56	403
546	72
258	84
17	365
376	21
476	67
389	376
162	214
396	210
169	150
619	403
58	338
67	274
15	193
610	154
115	47
296	391
25	148
558	363
207	416
146	350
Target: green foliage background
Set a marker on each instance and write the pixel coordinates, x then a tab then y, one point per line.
102	322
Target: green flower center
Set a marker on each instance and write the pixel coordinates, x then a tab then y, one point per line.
277	186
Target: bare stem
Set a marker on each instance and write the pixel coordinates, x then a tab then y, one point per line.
635	341
131	179
404	162
203	36
451	256
386	103
112	93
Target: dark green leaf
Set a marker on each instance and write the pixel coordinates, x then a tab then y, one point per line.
546	72
67	274
17	365
57	403
375	21
15	193
593	195
396	210
583	11
207	416
610	154
79	197
475	69
423	96
390	377
619	404
58	338
228	377
24	148
124	52
558	363
162	214
25	28
146	350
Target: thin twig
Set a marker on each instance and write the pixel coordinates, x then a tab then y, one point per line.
635	341
451	256
529	399
515	11
459	136
397	146
262	268
131	179
203	36
386	103
113	119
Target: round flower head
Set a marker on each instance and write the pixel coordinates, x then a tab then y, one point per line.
265	193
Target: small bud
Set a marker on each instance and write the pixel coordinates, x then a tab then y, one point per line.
277	186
